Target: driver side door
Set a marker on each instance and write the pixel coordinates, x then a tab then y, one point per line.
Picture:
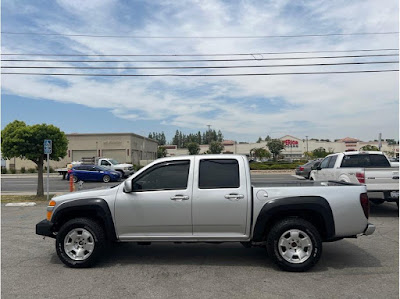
160	203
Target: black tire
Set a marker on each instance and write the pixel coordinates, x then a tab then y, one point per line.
280	230
377	201
98	239
75	179
106	178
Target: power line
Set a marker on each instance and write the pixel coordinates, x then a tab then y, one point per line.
216	54
205	60
196	67
202	75
200	37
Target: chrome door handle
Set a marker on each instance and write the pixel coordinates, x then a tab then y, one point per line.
179	197
234	196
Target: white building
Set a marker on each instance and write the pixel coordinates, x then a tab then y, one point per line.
294	147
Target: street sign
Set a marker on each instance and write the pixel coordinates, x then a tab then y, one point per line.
48	146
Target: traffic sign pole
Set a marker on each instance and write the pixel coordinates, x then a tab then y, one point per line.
48	149
48	172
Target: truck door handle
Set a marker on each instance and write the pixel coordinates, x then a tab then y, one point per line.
234	196
180	197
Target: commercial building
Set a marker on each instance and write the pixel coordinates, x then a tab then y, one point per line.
295	147
123	147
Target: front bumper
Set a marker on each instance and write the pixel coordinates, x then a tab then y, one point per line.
369	230
45	228
129	172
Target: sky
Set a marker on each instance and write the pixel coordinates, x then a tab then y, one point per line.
333	106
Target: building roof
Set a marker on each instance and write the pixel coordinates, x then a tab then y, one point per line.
349	139
228	142
109	134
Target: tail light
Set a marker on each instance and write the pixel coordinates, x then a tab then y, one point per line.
365	204
360	177
301	168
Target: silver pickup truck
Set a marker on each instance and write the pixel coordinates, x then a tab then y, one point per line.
207	198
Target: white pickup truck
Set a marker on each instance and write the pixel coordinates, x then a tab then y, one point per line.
370	168
112	164
207	198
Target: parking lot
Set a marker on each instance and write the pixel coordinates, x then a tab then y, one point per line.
367	267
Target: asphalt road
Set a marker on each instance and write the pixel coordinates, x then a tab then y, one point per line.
29	183
367	267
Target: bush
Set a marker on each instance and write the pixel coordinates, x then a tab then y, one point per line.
23	170
4	170
31	170
13	171
269	166
52	169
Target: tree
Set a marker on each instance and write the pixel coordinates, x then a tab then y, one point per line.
320	153
275	147
260	153
259	140
26	142
391	141
215	147
267	138
161	152
369	148
193	148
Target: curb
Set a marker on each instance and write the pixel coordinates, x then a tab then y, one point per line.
28	175
21	204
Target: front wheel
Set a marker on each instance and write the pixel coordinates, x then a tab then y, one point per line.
79	242
294	244
106	178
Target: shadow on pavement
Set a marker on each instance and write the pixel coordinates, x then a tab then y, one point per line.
386	209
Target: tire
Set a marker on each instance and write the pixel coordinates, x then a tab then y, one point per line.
82	236
301	244
106	178
377	201
75	179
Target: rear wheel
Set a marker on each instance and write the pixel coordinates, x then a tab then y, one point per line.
106	178
79	242
294	244
75	179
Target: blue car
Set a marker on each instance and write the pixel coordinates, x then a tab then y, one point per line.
94	173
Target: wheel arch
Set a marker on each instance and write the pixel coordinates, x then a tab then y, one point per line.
92	208
314	209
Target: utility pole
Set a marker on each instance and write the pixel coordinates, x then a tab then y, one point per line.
307	143
380	141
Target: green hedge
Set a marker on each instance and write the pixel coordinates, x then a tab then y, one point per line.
268	165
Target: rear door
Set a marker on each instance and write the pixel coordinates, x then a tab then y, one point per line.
220	200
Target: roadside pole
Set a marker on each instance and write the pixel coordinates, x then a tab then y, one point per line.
48	148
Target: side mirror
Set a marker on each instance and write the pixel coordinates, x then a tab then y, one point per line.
128	186
316	166
319	167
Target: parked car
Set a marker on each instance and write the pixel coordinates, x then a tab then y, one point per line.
207	198
371	168
93	173
304	170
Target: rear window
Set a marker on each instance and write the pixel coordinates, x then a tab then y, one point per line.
219	173
365	161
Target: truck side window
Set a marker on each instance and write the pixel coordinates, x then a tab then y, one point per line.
325	162
104	162
332	161
219	173
171	175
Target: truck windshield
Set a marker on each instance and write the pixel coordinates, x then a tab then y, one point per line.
114	162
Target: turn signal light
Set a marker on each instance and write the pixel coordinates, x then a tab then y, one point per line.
48	216
52	203
360	177
364	204
50	208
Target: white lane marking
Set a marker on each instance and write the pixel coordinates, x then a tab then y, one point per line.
21	204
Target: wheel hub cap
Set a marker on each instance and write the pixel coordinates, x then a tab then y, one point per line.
295	246
79	244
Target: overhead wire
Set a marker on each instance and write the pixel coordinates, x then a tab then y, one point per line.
199	37
201	75
204	60
199	67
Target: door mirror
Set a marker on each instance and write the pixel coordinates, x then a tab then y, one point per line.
128	186
316	166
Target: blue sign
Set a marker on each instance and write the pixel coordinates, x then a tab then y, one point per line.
48	146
